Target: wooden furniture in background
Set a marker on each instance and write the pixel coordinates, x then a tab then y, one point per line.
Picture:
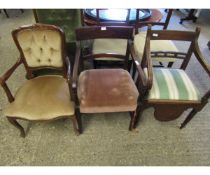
46	97
140	37
169	91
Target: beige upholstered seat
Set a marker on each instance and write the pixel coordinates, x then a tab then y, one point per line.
156	45
106	90
41	98
117	46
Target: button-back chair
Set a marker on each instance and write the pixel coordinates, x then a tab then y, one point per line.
103	90
170	91
45	97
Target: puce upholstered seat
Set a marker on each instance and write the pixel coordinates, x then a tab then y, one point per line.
106	90
41	98
103	90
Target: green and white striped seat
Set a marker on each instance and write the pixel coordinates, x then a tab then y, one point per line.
172	84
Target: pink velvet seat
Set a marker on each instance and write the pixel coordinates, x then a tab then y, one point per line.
106	90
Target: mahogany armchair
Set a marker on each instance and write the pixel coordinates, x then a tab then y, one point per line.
103	90
170	91
45	97
140	37
107	45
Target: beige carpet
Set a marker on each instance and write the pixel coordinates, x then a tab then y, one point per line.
106	139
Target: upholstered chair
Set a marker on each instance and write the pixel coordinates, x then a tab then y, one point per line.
44	97
103	90
170	91
140	37
108	45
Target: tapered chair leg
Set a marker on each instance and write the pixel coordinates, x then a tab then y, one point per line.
79	120
17	125
75	125
139	112
132	121
189	117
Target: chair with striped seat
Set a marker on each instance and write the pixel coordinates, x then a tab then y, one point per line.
169	90
140	36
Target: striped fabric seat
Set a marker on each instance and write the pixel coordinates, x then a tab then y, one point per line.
172	84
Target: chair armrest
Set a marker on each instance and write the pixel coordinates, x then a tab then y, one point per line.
76	67
75	75
5	77
142	81
9	72
68	73
201	59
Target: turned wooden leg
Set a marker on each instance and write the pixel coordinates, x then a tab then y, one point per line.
75	125
189	117
17	125
79	120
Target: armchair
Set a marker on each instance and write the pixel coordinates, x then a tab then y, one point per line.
103	90
169	91
45	97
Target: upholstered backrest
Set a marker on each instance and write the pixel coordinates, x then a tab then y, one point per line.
41	45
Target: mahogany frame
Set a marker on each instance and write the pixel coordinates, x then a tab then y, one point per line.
94	32
173	108
65	71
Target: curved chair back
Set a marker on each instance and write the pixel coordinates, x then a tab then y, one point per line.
40	46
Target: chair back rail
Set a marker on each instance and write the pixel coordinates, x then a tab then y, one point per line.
139	23
88	33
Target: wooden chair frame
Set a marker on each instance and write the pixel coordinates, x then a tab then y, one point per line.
164	24
65	71
89	33
173	108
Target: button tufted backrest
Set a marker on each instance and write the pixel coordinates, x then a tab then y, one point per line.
41	45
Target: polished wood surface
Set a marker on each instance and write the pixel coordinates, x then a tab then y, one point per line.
156	16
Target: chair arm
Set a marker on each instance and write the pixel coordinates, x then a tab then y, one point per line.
76	67
5	77
201	59
75	75
9	72
68	73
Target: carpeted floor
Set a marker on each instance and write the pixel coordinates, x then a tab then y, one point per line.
106	139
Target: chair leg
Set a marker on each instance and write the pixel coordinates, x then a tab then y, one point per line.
79	120
133	116
17	125
75	125
189	117
5	11
138	116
